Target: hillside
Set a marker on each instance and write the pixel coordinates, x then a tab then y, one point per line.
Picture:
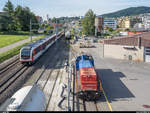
128	12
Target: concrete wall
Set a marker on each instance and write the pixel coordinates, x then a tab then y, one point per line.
118	52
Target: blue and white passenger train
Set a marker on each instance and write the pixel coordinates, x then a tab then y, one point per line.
31	52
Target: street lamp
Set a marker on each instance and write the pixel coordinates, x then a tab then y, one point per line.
56	29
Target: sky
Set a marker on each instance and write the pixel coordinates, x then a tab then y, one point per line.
58	8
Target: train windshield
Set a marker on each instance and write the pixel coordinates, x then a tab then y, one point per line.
85	57
25	53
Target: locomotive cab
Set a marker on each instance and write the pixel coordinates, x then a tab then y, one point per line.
83	58
26	54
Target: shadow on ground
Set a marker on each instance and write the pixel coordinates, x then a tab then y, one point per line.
114	88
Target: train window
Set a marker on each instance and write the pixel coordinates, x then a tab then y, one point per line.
49	41
53	38
85	57
44	45
78	59
41	47
38	49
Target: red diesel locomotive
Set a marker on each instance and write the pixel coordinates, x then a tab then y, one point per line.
87	83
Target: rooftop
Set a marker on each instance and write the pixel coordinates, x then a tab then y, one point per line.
131	40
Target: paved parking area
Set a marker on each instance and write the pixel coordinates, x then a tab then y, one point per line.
126	83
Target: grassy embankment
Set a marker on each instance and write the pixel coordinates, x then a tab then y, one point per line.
6	40
12	52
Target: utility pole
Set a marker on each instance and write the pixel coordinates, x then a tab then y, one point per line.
56	28
95	31
30	30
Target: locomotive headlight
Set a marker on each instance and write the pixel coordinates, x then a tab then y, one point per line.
96	93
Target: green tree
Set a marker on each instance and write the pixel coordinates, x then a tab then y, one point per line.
54	20
19	17
49	29
9	9
110	29
88	23
134	31
73	31
23	17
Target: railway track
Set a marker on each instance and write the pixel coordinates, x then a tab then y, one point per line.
58	72
8	66
53	77
78	104
8	62
48	79
49	74
11	82
13	75
9	73
11	78
9	70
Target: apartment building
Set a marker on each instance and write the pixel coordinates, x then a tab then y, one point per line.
128	22
110	23
40	19
146	21
99	22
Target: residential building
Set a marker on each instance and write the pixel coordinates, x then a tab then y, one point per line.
134	21
40	19
139	27
124	23
1	13
146	21
110	23
136	47
99	23
128	22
